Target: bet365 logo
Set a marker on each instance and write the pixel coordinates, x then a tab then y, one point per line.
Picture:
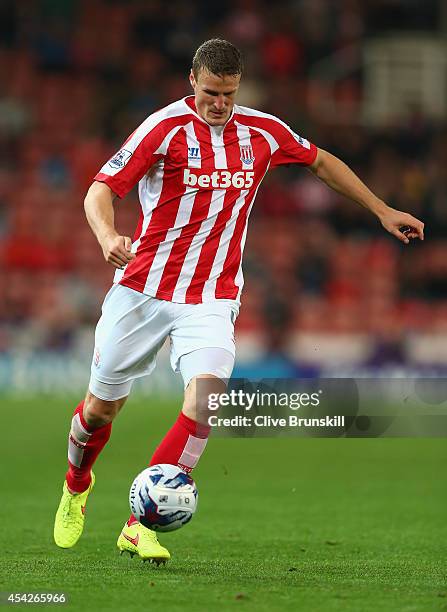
219	179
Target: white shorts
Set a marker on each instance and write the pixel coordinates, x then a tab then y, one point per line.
134	326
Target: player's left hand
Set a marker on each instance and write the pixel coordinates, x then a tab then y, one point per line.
402	225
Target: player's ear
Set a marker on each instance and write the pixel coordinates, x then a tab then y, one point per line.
192	79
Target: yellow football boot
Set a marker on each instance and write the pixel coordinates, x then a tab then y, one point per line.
69	522
141	541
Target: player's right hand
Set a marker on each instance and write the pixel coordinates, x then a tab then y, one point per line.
117	250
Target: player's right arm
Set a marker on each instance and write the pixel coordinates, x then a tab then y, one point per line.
98	205
145	147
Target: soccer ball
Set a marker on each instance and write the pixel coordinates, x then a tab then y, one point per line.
163	497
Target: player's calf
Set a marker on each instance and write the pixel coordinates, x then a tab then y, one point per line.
98	412
84	445
197	393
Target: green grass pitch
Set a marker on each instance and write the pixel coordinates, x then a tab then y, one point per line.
283	524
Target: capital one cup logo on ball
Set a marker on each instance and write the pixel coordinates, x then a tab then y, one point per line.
163	497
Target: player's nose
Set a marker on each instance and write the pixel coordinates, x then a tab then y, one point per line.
220	102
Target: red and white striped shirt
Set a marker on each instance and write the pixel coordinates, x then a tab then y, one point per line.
197	184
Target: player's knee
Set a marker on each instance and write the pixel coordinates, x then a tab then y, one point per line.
98	412
195	404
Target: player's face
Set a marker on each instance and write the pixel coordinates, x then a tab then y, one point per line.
214	95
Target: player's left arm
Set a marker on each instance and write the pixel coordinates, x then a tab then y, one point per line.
337	175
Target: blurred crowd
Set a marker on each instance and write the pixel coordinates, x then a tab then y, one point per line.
77	76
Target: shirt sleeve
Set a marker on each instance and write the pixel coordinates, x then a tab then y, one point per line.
292	148
137	155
